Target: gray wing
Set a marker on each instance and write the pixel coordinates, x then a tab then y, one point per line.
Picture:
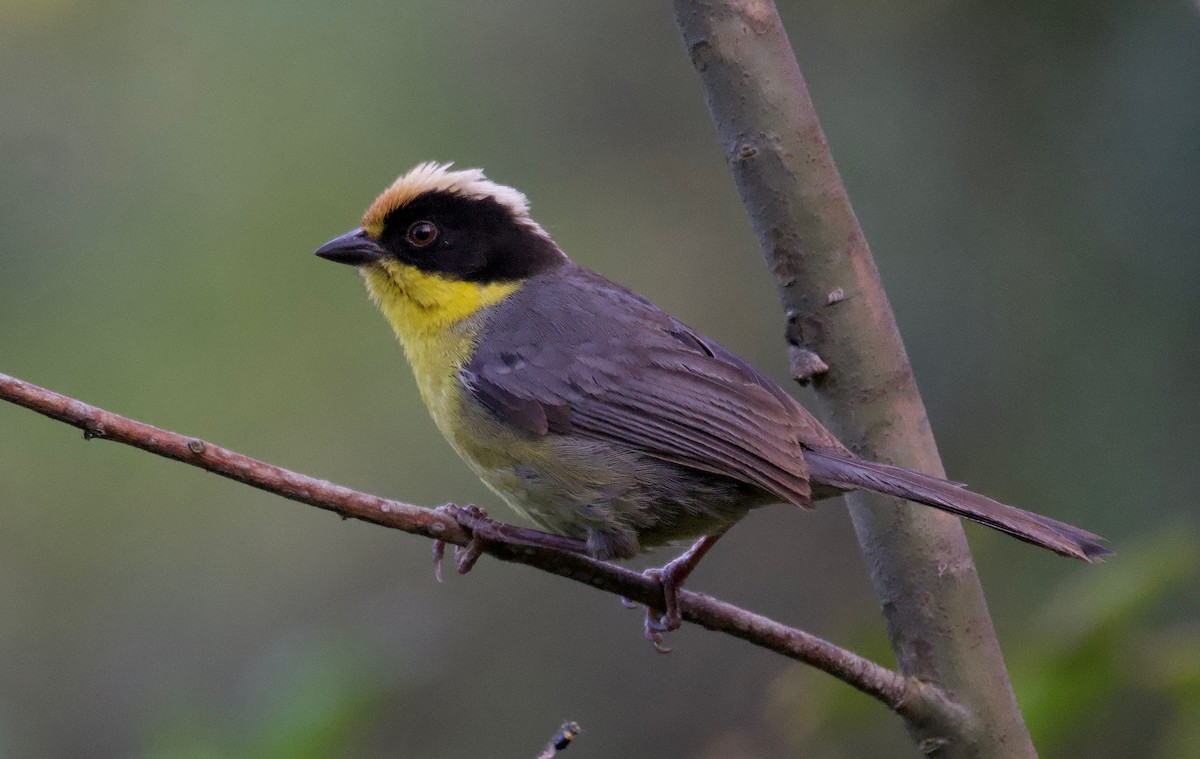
572	352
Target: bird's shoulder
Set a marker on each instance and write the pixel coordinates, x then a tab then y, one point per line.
574	332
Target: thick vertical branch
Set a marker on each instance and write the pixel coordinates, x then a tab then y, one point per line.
844	337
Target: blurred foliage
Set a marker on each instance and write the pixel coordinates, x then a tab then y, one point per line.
313	706
1095	647
1080	651
1025	172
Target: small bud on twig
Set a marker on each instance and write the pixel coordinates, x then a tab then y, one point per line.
567	733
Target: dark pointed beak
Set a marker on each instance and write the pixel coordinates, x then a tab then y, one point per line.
354	248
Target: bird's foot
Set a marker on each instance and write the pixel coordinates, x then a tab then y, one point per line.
486	530
671	577
475	521
661	621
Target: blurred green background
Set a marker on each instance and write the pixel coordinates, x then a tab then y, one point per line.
1027	174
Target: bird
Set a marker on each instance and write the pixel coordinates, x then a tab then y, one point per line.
591	411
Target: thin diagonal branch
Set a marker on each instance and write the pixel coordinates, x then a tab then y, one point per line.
905	695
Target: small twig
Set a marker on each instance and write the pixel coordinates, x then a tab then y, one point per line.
567	733
906	696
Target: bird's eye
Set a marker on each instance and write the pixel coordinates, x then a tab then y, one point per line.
422	233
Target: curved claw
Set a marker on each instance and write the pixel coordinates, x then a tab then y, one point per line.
439	550
465	558
655	638
671	618
657	622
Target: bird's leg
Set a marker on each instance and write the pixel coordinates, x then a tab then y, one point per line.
485	530
672	576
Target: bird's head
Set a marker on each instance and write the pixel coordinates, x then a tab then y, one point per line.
445	243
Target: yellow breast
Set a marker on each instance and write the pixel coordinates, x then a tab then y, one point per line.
431	317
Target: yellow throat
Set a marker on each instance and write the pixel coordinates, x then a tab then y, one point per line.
427	313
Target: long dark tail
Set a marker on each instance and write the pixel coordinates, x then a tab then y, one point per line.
853	474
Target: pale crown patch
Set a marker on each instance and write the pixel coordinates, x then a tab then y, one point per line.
437	177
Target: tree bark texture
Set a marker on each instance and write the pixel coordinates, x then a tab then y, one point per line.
843	337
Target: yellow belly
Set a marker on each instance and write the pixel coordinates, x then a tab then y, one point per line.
437	321
496	453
